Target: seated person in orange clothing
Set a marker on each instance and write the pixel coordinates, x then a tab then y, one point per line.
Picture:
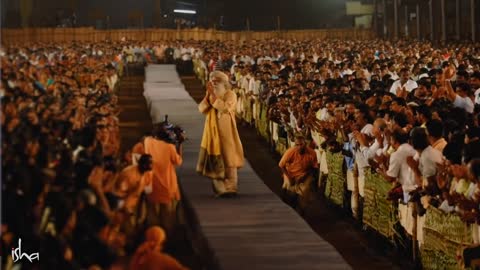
299	166
149	255
131	182
137	150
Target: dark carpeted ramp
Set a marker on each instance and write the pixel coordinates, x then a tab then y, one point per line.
255	230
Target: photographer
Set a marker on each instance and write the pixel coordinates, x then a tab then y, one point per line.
165	147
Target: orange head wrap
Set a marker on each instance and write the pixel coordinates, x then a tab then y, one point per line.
154	239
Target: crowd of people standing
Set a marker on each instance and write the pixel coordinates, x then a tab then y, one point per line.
405	112
408	112
68	192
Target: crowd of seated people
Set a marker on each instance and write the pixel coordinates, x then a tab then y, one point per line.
67	191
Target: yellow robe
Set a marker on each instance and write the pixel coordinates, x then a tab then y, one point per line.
210	160
230	144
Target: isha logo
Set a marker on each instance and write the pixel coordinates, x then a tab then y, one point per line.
18	255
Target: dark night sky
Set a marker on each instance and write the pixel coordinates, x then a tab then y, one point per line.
295	14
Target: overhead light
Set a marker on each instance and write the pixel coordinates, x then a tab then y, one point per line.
185	11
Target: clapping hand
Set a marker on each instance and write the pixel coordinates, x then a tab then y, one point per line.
412	163
449	72
382	161
313	123
360	138
402	92
210	87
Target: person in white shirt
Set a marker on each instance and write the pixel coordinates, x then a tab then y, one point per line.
347	70
187	57
244	81
398	168
380	143
183	51
424	163
247	59
460	98
475	83
236	63
326	113
392	72
404	83
111	79
251	83
364	134
260	60
177	53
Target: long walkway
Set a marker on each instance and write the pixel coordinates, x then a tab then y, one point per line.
254	230
362	250
135	122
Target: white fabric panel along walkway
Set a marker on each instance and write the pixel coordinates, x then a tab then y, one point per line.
162	84
255	230
162	73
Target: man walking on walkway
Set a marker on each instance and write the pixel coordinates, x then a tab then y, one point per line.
221	151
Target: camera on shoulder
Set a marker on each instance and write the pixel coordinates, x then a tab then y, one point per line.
169	132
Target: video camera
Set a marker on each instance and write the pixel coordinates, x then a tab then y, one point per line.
173	133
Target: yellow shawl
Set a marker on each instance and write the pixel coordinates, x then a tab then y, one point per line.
210	161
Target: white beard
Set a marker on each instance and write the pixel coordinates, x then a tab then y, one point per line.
220	90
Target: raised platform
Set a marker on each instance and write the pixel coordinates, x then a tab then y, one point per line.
254	230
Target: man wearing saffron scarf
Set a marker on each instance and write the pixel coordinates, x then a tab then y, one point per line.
221	151
149	255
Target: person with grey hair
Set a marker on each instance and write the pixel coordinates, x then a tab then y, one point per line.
221	151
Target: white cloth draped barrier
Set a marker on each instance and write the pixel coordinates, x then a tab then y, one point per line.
162	83
162	73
